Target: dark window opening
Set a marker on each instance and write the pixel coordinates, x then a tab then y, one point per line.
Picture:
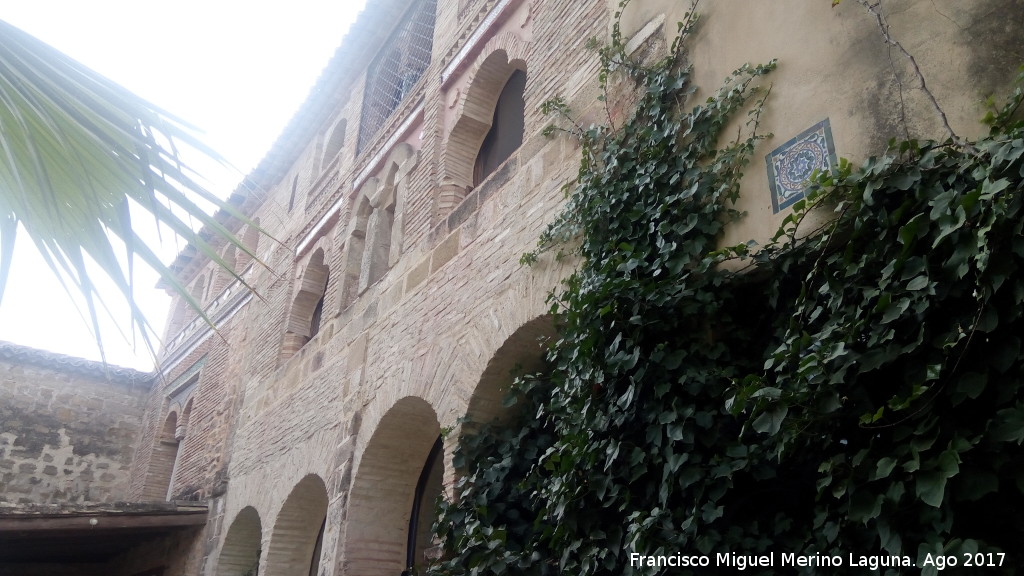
318	313
428	488
507	127
291	198
314	563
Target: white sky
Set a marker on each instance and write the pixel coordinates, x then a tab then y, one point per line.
237	70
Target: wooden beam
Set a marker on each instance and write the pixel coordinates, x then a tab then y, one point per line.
99	522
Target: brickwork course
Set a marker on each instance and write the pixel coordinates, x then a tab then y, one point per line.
391	305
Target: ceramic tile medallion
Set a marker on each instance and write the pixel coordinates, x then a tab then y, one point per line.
791	165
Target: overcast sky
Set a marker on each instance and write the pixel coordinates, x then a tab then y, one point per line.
237	70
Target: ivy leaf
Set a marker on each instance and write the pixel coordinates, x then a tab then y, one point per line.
918	283
884	467
931	487
906	179
770	422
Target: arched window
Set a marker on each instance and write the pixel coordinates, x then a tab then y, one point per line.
334	144
306	312
198	291
251	240
507	127
291	197
352	261
318	312
379	226
180	430
421	519
161	461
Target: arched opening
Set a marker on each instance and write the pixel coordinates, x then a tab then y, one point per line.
161	461
180	432
334	144
198	291
314	561
499	74
422	514
291	196
380	222
240	555
521	353
293	548
398	480
353	251
318	313
507	126
304	318
223	276
251	241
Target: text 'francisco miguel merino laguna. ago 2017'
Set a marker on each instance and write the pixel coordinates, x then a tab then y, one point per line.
784	559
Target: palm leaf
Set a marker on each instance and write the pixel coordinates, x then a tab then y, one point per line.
79	155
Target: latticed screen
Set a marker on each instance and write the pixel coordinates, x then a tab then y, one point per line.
398	68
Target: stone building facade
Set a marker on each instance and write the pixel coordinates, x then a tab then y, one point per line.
316	423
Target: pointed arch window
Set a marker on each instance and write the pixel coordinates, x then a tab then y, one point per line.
507	127
306	312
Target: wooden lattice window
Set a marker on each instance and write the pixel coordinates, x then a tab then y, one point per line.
397	70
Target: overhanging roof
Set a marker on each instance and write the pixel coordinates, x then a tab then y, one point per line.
32	534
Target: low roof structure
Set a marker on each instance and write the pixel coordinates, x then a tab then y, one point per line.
31	534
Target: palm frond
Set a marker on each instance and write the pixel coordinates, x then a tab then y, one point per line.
77	152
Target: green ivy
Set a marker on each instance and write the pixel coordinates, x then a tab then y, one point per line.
848	390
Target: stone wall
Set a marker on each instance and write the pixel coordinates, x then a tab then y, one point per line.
68	427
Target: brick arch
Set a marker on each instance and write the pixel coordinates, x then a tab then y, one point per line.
301	316
521	353
335	141
184	416
180	433
222	276
240	553
170	425
355	243
161	460
384	229
458	360
383	488
500	57
396	168
251	240
198	291
293	539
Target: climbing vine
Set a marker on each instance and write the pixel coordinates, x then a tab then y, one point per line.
853	390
